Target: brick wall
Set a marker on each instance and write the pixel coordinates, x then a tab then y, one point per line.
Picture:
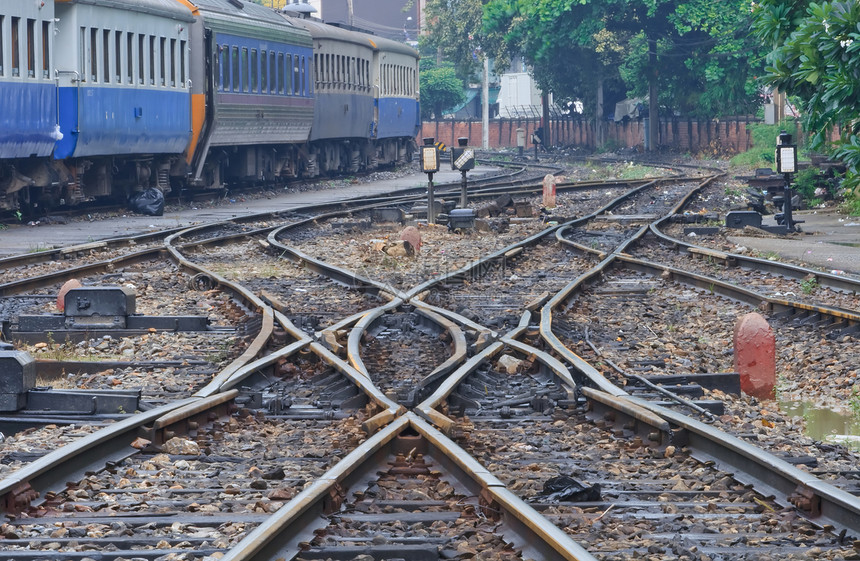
684	135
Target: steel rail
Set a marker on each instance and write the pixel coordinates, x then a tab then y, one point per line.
281	535
829	280
817	500
51	472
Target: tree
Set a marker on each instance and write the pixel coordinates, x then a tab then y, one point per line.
816	57
697	51
440	89
456	34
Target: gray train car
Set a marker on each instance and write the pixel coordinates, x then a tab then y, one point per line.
367	99
252	94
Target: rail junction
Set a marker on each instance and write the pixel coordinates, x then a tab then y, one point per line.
303	384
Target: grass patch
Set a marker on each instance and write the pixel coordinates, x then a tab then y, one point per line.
760	155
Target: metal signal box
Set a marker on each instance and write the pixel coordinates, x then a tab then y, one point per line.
429	157
17	377
99	306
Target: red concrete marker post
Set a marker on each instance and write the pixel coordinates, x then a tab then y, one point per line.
755	356
413	236
61	295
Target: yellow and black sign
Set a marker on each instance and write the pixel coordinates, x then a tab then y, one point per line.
462	159
441	146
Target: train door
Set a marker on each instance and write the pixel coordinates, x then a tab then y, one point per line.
376	89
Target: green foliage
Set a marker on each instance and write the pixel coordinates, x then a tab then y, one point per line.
760	155
457	35
705	65
805	182
809	284
851	206
816	58
440	89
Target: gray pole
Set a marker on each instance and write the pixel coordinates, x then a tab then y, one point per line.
485	105
431	202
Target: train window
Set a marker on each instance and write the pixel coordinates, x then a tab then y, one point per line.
245	69
141	58
252	84
46	50
129	58
264	71
94	54
2	23
173	63
297	77
162	57
269	72
118	55
306	76
289	77
182	51
218	67
274	72
224	77
152	56
279	68
31	48
106	54
82	53
16	57
236	71
317	69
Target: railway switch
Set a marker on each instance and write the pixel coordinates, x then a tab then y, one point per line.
18	392
461	219
93	309
741	218
102	306
17	377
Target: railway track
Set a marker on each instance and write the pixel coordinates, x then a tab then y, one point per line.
506	344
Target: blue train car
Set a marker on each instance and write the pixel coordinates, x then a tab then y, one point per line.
396	73
123	78
28	96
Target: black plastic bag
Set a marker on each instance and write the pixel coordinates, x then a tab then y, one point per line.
564	488
149	202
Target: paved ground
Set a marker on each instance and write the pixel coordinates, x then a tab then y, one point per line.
829	240
16	239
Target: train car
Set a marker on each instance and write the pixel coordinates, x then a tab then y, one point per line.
28	100
398	118
253	88
344	116
123	93
367	98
